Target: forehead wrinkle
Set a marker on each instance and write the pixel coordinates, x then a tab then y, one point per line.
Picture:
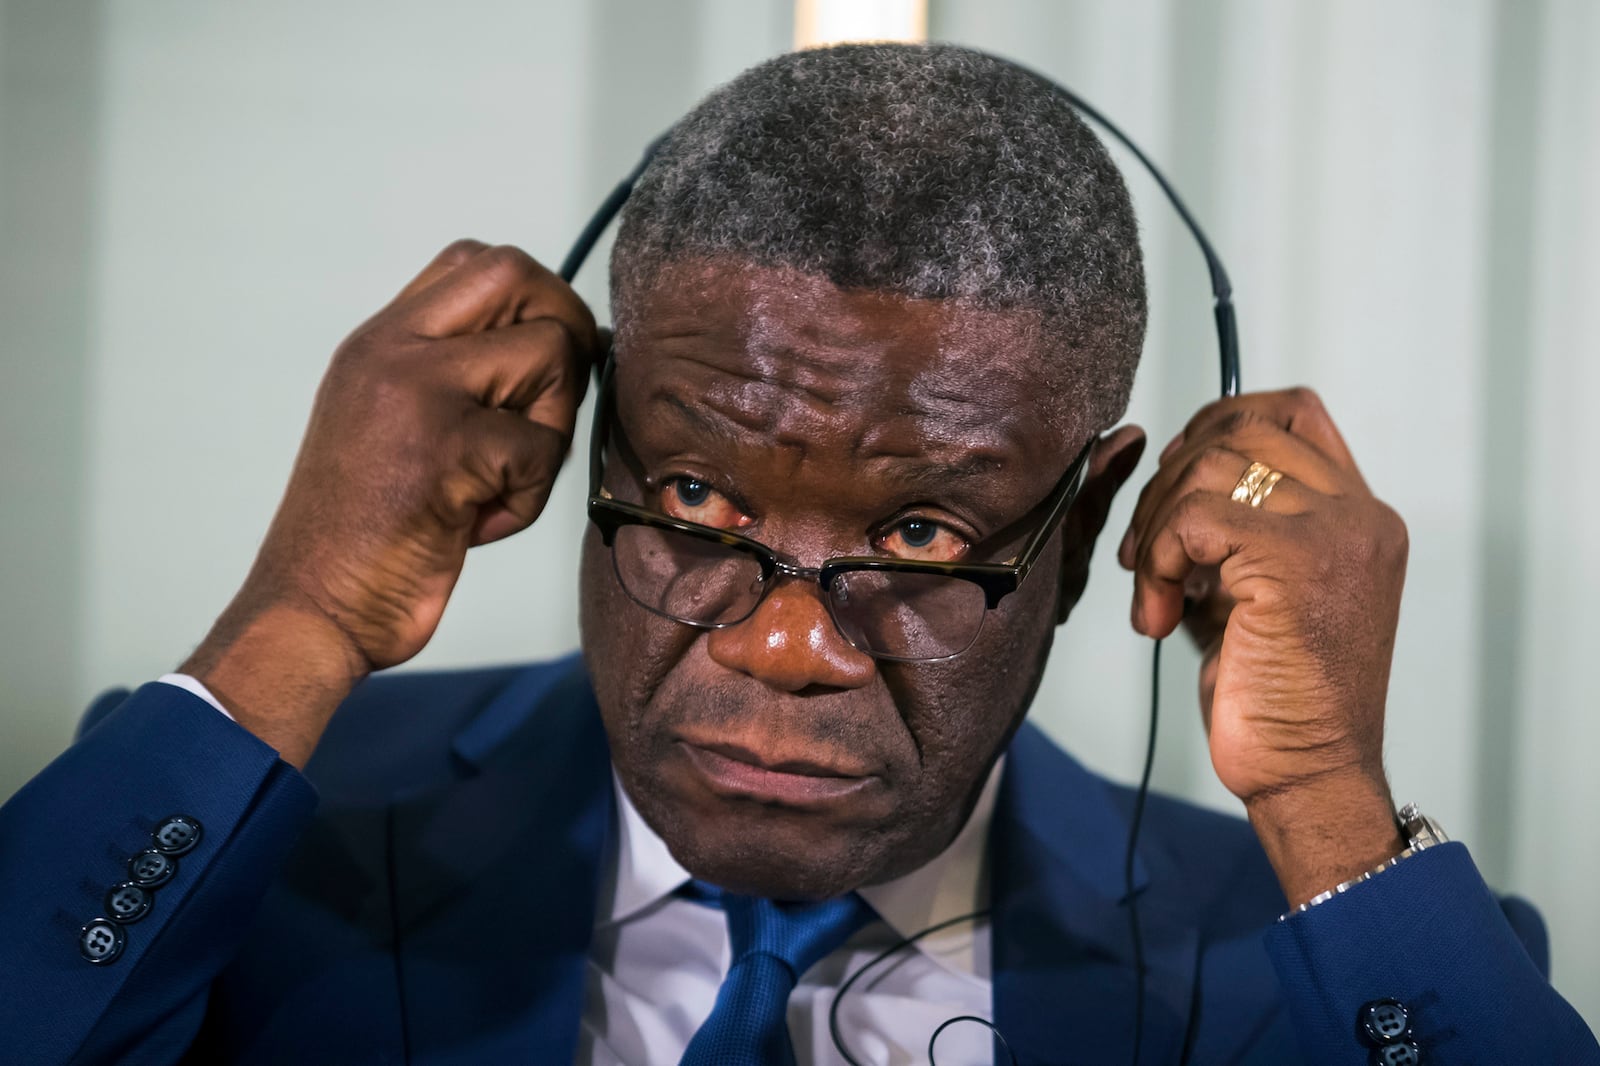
912	452
955	389
909	467
751	392
984	436
779	365
919	466
701	416
792	369
737	427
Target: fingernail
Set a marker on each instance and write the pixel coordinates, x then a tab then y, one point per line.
1172	445
1124	548
1137	615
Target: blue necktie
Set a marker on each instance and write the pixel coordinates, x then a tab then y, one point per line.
773	944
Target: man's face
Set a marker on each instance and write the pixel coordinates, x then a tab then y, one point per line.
772	756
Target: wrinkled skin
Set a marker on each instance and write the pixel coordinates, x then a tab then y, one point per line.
829	415
828	418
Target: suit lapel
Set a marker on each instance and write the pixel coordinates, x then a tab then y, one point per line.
495	876
1064	973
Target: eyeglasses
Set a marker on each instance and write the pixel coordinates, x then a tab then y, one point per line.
901	610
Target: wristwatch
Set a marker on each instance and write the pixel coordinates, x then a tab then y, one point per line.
1421	833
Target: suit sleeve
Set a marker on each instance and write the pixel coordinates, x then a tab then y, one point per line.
80	981
1469	970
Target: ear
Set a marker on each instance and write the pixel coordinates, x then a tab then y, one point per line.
1112	463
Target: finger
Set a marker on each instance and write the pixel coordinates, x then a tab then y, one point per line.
1217	467
509	466
495	288
1251	436
1298	411
454	255
1203	529
1206	606
1286	499
532	368
1283	496
1259	436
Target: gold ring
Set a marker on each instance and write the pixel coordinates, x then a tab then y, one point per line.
1251	480
1265	488
1256	484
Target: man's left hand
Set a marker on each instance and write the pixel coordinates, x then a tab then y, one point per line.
1294	601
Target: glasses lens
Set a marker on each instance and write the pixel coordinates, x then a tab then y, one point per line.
906	615
689	578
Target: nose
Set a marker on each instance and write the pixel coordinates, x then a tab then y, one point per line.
791	643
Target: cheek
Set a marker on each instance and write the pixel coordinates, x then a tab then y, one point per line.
597	607
963	712
627	649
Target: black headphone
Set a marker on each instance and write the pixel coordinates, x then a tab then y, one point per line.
1228	351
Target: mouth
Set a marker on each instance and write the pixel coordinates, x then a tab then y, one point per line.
736	772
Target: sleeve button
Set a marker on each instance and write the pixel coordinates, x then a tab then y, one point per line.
101	941
176	835
1384	1020
151	869
127	902
1401	1053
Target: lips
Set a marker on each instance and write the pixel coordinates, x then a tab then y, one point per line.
735	771
783	766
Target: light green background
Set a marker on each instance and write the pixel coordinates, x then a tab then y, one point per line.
197	201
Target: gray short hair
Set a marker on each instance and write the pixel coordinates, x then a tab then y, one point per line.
928	171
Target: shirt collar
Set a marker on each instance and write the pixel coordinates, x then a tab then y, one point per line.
643	871
955	882
951	884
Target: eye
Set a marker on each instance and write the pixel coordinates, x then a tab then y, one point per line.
693	500
917	533
923	540
691	493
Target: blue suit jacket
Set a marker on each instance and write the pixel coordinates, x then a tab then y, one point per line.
436	904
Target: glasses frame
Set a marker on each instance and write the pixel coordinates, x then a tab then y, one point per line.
997	580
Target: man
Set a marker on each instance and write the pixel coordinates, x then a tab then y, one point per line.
877	310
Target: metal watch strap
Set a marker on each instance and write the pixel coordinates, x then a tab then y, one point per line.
1421	833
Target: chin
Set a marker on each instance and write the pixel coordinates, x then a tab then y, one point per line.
773	861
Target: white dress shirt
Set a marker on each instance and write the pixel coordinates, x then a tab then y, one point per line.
657	959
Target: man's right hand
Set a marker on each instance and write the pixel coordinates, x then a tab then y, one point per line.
441	424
